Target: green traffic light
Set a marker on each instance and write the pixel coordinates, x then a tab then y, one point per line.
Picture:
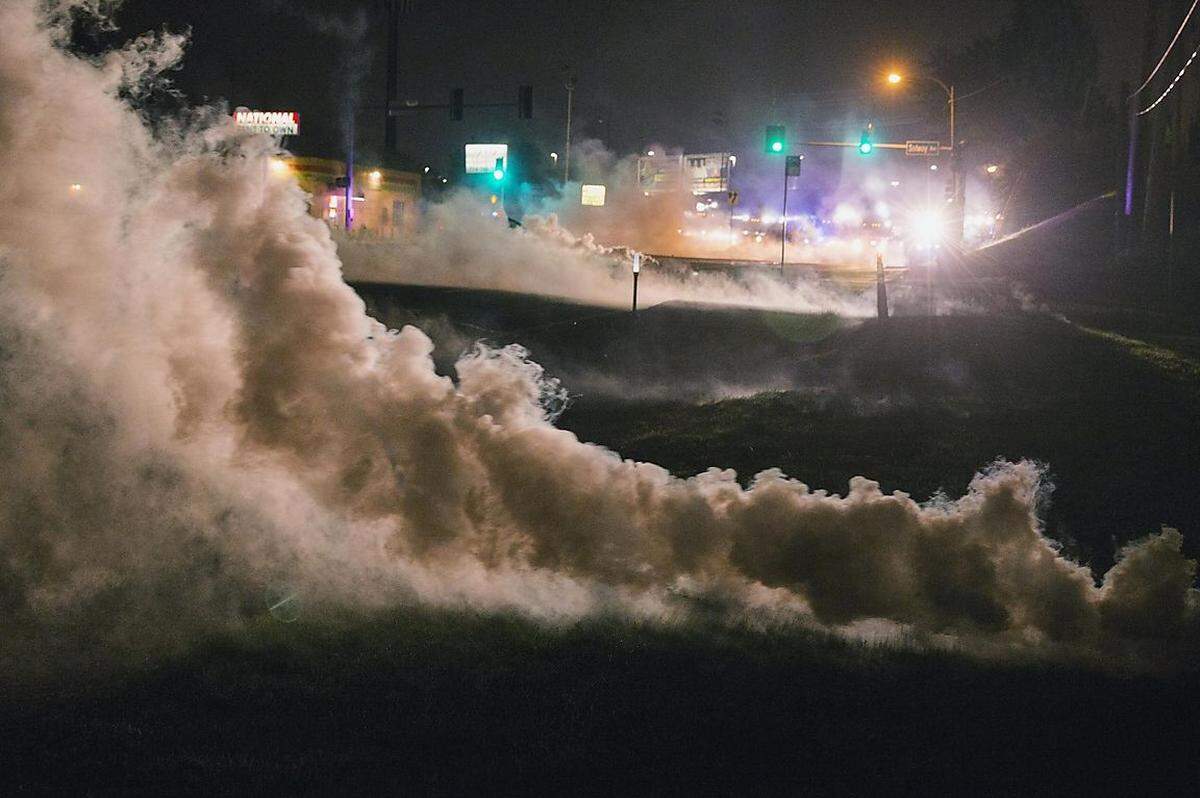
775	140
865	148
498	175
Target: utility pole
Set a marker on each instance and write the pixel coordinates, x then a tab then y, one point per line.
393	76
1171	253
567	151
350	178
956	170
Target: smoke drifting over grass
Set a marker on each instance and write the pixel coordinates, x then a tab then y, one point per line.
462	245
197	414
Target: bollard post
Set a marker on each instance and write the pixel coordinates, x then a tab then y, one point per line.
637	268
881	304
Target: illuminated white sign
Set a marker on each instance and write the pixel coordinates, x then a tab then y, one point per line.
707	172
272	123
592	195
659	174
481	158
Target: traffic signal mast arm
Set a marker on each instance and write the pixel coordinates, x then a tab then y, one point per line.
855	145
523	105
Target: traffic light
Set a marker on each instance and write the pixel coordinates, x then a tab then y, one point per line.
498	172
525	102
456	105
775	141
865	147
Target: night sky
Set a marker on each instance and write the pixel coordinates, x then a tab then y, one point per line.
698	74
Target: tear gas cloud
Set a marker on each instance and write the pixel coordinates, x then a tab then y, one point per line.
462	245
196	410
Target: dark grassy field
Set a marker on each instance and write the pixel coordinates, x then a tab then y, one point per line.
426	702
421	701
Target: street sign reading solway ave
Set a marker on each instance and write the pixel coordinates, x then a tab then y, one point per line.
922	147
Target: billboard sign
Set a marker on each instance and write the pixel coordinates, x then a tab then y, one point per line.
707	172
657	174
922	147
592	195
481	158
272	123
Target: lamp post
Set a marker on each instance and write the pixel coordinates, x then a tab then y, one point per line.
895	79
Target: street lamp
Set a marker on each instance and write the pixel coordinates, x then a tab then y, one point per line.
895	79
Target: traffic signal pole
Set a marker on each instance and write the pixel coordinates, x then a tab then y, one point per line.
783	223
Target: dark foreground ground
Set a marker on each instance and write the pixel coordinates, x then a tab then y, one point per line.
451	704
427	702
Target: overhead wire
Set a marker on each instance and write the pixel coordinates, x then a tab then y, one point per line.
1166	53
1170	87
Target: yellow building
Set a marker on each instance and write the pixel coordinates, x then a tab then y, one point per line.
385	200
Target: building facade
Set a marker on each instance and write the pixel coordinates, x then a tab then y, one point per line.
386	202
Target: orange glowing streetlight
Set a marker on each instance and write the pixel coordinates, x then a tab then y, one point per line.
895	78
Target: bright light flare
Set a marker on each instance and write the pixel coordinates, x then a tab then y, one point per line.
279	166
928	227
894	78
846	214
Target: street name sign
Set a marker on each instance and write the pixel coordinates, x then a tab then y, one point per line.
922	147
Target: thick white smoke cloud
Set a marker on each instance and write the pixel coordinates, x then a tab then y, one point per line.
196	410
461	245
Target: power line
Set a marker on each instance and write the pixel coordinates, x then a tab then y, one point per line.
1168	51
1163	96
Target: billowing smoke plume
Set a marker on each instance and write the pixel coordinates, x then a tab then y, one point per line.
197	414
